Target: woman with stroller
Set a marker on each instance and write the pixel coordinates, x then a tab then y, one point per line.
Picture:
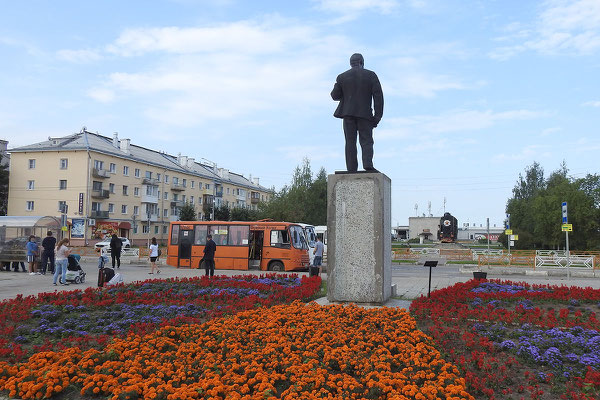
154	256
62	254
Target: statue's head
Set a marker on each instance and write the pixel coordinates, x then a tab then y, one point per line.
357	60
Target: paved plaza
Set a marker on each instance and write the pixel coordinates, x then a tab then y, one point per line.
411	280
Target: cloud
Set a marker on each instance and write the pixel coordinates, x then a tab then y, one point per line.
595	103
451	121
79	56
562	26
102	95
355	7
532	152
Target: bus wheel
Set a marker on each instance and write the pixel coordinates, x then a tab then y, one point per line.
276	266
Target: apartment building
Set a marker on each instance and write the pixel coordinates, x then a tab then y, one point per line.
108	185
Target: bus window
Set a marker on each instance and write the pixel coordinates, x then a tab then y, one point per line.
175	234
298	240
200	235
280	239
219	234
238	235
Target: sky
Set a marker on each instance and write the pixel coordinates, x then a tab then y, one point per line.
475	91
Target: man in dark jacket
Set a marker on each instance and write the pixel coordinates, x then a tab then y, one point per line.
356	89
209	256
115	250
49	243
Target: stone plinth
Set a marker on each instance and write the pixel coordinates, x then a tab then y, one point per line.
359	265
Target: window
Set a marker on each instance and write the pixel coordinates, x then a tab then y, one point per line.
184	182
30	185
125	190
165	229
298	238
135	230
219	234
175	181
165	212
31	163
136	172
136	210
136	191
64	163
30	206
227	190
96	206
238	235
207	186
280	239
112	168
111	208
96	186
61	206
175	234
152	190
199	200
166	178
156	229
125	170
62	184
183	198
124	209
145	228
166	196
111	187
98	164
192	184
175	197
158	177
149	174
192	200
199	234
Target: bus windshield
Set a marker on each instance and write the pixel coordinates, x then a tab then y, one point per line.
311	236
298	240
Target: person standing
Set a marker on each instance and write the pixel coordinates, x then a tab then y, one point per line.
49	243
32	254
154	256
115	250
356	89
318	252
209	256
62	253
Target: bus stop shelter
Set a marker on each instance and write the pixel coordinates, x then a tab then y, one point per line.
15	232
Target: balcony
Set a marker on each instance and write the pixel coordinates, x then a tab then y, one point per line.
153	218
178	187
254	197
208	199
150	181
219	193
177	203
99	214
100	194
148	198
100	173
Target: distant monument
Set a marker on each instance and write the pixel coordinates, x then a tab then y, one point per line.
356	89
359	265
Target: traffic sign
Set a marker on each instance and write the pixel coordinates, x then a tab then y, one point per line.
564	213
567	227
508	232
514	237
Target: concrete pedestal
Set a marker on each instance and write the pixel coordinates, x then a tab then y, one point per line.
359	265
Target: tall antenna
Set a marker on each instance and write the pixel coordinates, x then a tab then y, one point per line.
429	209
444	204
416	210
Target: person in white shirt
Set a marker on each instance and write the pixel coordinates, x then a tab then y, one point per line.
62	253
154	256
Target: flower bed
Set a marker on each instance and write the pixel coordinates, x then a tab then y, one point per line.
89	318
517	341
295	351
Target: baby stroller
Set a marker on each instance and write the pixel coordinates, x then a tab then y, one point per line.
74	271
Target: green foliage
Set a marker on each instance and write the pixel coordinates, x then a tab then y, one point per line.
4	174
305	200
414	240
222	213
187	212
243	214
536	213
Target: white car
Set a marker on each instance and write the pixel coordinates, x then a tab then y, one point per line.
106	243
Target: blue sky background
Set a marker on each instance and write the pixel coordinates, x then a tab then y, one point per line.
475	91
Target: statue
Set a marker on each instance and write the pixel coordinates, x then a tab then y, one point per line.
356	89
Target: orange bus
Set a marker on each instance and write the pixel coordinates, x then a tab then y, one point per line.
243	245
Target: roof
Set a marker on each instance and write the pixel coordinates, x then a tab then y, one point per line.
86	140
28	221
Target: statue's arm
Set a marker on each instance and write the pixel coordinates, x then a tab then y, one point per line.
336	93
377	99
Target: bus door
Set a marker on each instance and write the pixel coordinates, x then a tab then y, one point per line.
186	238
255	249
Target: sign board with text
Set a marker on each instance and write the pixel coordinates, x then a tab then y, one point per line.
567	227
508	232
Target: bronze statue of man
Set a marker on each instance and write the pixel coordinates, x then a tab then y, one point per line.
356	89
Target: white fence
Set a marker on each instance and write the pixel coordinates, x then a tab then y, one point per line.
561	262
130	252
425	250
484	252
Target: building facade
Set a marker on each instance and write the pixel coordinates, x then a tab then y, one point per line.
105	186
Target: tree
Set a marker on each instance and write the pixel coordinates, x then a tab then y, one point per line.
304	200
243	214
222	213
4	175
535	210
187	212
